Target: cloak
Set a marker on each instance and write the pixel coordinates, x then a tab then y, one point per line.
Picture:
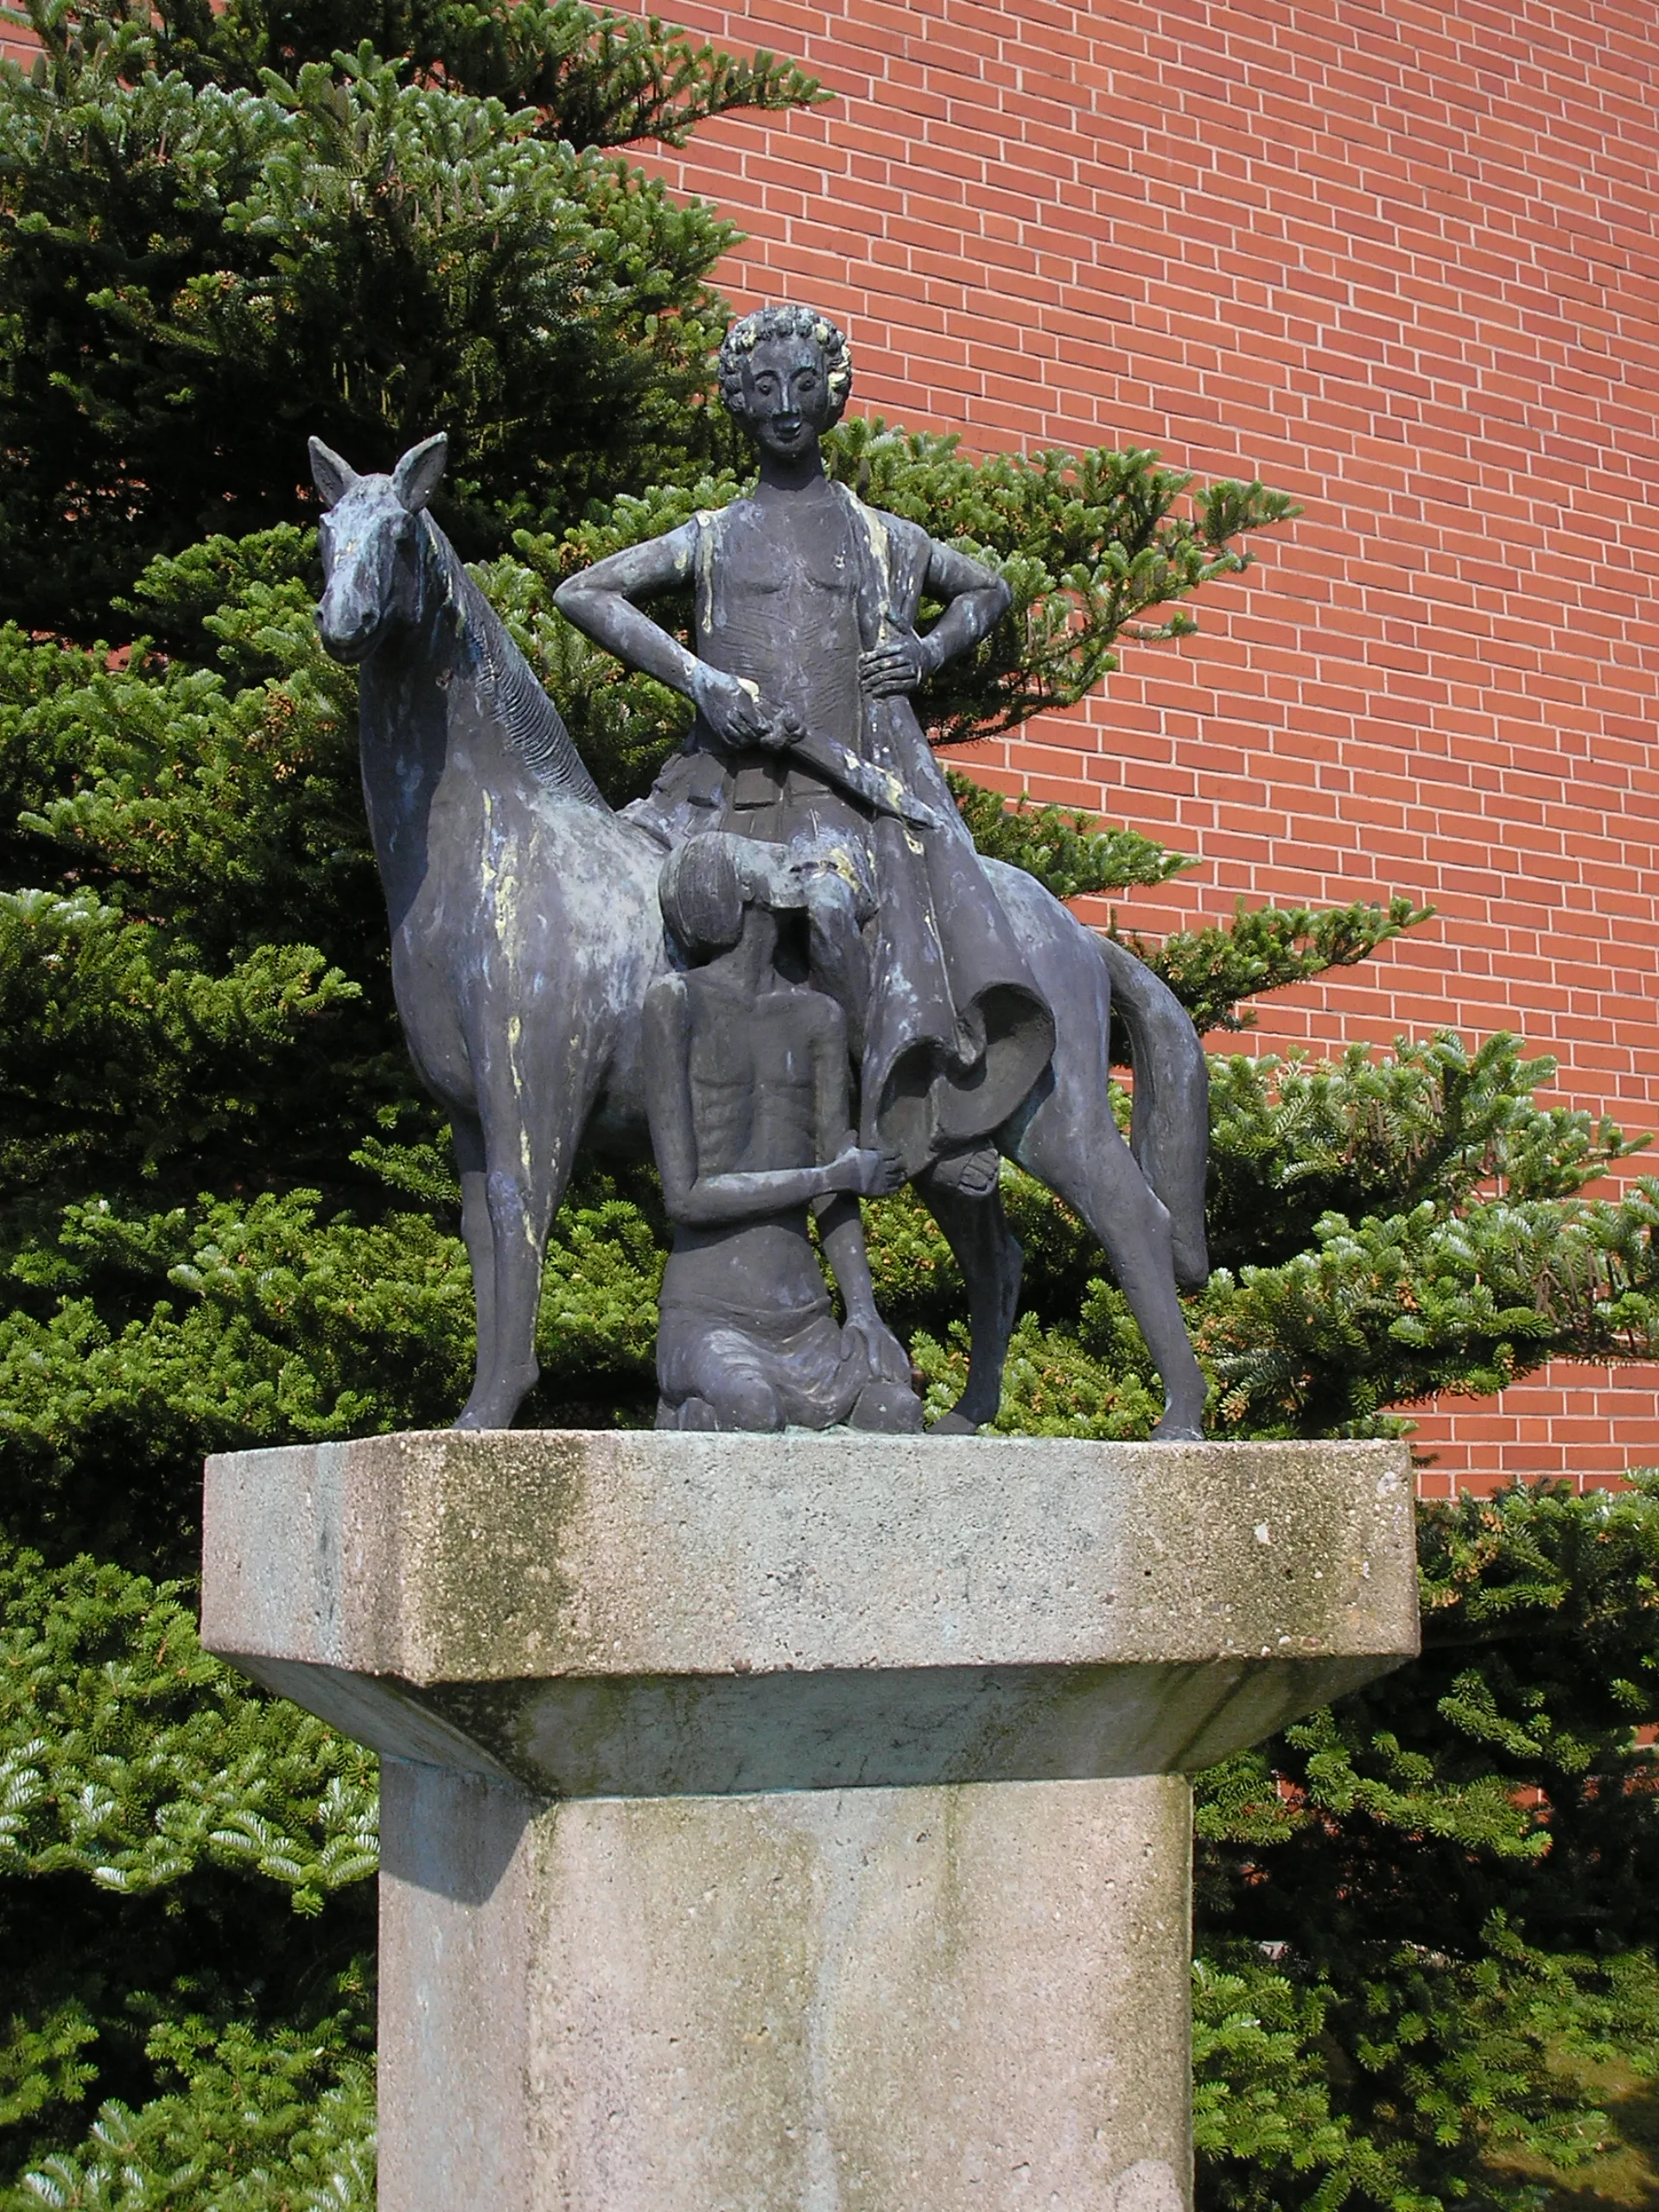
956	1032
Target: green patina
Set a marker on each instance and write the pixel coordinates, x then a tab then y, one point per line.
484	1537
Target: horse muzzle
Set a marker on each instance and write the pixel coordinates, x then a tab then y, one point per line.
347	634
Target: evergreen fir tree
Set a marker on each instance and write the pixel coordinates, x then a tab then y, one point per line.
227	1217
220	232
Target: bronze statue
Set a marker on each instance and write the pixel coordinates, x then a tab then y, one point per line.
527	932
807	655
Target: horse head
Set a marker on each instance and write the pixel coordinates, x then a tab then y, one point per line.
370	538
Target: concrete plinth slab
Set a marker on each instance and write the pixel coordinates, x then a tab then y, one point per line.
648	1615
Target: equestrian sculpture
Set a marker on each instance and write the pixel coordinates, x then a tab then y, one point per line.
527	932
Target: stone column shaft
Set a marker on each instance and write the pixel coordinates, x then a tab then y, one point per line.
858	2000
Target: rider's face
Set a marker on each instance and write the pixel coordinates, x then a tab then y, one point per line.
786	400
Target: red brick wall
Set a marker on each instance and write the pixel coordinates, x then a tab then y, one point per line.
1401	262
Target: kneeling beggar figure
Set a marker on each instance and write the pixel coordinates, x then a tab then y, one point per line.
840	994
747	1087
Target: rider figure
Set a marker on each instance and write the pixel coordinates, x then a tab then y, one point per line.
805	655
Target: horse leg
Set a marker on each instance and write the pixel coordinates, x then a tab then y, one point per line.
527	1166
476	1234
988	1252
1082	1157
1066	1136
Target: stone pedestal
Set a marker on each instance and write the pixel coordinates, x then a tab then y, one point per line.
774	1823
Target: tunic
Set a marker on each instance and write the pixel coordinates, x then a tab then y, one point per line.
787	595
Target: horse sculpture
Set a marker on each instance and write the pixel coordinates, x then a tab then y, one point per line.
526	932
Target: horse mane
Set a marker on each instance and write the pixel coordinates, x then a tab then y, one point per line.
530	722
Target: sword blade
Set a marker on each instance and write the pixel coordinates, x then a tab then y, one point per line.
875	786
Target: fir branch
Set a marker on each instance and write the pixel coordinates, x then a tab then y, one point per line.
1385	1311
1382	1133
595	79
1264	949
1091	544
1067	852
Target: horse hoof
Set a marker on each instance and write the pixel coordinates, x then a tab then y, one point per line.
953	1424
476	1420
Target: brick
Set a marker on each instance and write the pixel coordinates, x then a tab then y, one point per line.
1401	264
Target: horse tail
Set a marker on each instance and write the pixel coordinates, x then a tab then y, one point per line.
1169	1133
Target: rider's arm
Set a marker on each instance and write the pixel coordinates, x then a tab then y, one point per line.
695	1201
977	601
599	601
977	597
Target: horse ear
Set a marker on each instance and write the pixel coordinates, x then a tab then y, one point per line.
420	472
333	477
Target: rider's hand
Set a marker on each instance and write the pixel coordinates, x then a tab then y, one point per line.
891	671
785	728
734	713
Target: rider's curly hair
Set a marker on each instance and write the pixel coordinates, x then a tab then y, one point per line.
786	322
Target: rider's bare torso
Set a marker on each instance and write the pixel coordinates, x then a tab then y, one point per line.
778	607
